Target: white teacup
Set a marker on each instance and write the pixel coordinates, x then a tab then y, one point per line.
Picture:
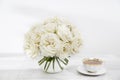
93	65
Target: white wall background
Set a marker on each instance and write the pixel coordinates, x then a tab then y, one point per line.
98	21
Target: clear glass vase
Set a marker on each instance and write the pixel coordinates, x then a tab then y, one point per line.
53	64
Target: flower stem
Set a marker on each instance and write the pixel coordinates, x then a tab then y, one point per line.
48	65
49	60
42	61
66	60
59	63
63	61
53	63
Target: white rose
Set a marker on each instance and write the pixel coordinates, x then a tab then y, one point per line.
50	27
65	50
64	33
49	44
77	42
55	37
38	29
31	45
31	49
52	20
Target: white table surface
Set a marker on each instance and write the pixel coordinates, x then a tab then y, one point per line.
24	68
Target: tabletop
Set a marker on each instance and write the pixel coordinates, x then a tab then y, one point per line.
20	67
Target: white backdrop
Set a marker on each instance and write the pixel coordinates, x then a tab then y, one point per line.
98	21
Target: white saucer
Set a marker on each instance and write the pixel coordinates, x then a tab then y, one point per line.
83	71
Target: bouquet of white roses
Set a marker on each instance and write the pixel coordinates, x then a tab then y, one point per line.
54	39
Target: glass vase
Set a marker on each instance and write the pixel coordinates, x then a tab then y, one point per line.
53	64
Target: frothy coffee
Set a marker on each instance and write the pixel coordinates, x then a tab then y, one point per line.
92	61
